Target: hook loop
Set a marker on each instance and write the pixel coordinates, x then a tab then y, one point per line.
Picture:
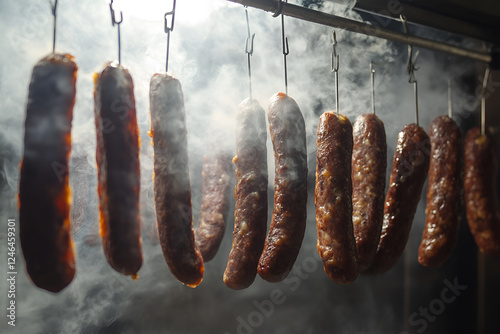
335	56
169	28
279	8
113	16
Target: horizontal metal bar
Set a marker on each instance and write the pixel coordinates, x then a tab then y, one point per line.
331	20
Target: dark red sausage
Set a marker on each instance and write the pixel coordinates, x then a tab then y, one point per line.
171	180
409	170
214	204
369	163
118	169
250	214
44	193
444	193
286	232
479	183
336	243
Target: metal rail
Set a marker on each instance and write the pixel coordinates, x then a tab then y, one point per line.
331	20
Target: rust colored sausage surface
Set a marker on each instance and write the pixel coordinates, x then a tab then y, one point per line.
369	164
250	215
214	204
118	169
287	128
171	180
44	193
444	193
409	170
336	243
479	184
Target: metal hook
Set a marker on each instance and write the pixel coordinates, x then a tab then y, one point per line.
279	8
284	42
335	57
168	30
53	7
411	67
113	17
483	100
249	51
115	22
412	61
335	69
372	74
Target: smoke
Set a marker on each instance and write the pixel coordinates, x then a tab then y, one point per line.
207	56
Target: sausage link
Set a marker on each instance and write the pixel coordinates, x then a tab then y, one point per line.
44	193
444	193
250	214
287	128
336	243
214	204
118	169
369	164
409	170
479	183
171	180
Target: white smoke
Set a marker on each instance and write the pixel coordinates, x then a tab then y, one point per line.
207	56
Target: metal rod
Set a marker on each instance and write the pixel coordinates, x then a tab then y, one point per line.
54	14
335	69
168	29
416	101
331	20
450	101
483	100
284	42
115	22
249	52
372	72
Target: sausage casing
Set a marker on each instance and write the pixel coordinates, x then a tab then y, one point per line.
336	243
444	193
118	169
288	135
369	164
214	204
44	193
171	180
479	184
250	214
409	170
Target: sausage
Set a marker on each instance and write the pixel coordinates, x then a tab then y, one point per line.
336	243
479	185
409	170
118	169
444	193
369	164
214	204
44	192
171	180
288	223
250	214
